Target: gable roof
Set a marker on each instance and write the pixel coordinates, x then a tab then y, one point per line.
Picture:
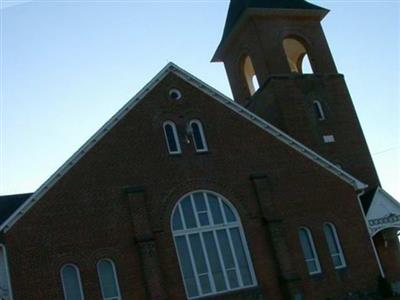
10	203
238	7
366	199
227	102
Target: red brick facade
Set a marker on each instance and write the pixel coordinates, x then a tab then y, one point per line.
116	201
88	214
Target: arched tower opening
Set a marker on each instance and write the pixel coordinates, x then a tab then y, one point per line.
297	56
250	75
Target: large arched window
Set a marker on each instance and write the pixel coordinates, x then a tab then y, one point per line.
199	137
334	246
297	56
108	280
250	75
71	281
171	137
310	254
211	245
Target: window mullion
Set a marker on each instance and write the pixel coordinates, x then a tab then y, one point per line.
239	276
210	275
182	216
221	259
196	214
222	210
210	219
196	273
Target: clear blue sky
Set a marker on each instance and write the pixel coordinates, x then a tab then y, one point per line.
68	66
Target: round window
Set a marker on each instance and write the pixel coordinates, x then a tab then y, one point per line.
175	94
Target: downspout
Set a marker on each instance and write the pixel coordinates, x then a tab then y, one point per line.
369	234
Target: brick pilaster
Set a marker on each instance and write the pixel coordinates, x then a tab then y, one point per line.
145	241
276	235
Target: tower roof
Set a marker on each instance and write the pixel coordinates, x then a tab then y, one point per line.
238	7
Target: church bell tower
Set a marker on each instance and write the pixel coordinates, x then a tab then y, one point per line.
280	67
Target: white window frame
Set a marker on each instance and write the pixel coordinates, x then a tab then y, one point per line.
78	273
202	136
321	116
118	297
339	254
315	258
175	132
7	271
212	228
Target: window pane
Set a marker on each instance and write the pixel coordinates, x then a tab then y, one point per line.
205	284
337	260
230	217
186	265
172	143
203	218
214	260
187	210
107	279
177	220
241	257
312	266
197	136
71	283
200	261
225	249
305	244
198	254
330	238
213	202
199	202
232	277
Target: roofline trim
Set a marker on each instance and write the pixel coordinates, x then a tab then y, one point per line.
226	101
53	179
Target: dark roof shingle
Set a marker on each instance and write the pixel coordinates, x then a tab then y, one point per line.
10	203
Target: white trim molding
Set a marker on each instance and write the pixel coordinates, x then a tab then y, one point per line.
227	102
78	278
202	136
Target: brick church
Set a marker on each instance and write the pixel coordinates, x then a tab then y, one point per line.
187	194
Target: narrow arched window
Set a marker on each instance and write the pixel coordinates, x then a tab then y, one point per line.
5	284
319	112
211	246
199	138
108	280
310	254
250	75
297	57
335	249
171	138
71	281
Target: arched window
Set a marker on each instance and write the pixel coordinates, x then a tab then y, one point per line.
108	280
319	112
334	246
171	138
211	245
199	138
310	254
71	281
297	56
250	75
5	284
